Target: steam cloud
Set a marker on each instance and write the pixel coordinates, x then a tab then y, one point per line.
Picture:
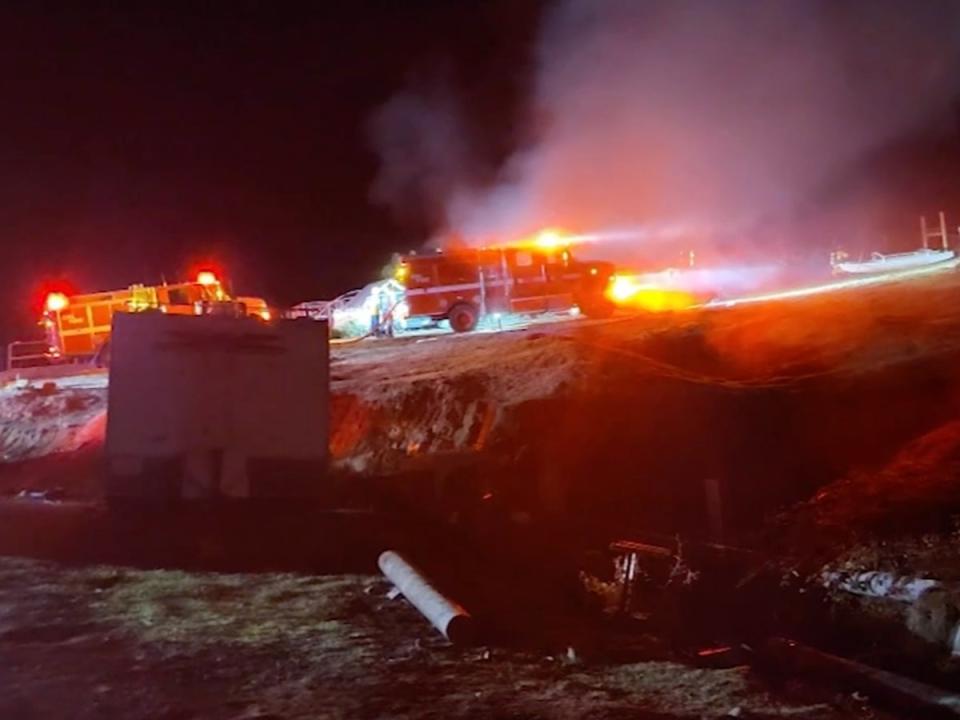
700	113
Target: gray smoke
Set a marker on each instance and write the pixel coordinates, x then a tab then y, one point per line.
424	151
699	113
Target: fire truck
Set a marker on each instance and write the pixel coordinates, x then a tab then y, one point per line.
464	285
77	327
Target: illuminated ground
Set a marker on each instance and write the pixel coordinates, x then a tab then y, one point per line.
602	429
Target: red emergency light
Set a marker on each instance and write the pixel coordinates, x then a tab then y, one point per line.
56	301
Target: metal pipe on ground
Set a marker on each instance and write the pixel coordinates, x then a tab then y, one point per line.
913	696
446	615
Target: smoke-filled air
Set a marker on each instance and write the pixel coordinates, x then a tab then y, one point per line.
659	122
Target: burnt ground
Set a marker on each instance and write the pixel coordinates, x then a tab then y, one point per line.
503	464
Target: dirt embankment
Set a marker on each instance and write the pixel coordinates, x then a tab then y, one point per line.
44	418
917	493
51	434
625	422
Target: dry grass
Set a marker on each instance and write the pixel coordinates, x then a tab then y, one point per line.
170	644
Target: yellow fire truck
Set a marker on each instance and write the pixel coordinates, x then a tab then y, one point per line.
78	326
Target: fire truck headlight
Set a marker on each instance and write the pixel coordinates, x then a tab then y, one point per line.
265	314
621	288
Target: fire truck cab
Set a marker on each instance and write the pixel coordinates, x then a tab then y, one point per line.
464	285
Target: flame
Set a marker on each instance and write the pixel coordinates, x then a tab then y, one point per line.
630	291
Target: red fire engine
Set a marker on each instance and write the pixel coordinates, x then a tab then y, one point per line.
464	285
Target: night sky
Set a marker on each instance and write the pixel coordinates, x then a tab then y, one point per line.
137	143
140	142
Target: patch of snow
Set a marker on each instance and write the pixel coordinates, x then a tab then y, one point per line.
877	584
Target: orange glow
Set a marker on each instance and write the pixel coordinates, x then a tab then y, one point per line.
547	239
628	291
265	314
56	301
206	277
550	239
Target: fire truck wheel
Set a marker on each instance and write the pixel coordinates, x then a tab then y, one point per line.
463	317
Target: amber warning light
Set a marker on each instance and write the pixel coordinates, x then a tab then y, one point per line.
56	301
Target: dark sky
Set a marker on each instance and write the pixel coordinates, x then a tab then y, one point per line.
137	142
140	140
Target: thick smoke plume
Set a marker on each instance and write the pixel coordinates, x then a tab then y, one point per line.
424	152
707	115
